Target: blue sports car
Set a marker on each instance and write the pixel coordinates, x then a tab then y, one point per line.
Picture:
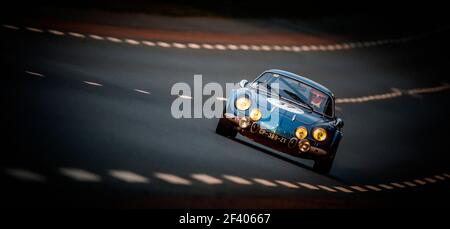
288	113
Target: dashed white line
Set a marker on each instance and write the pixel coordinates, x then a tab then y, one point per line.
286	184
429	179
326	188
358	188
410	184
132	42
237	180
96	37
128	176
171	178
207	179
397	185
385	186
114	39
56	32
80	175
179	45
149	43
36	30
78	35
371	187
35	74
308	186
440	177
11	27
25	175
343	189
163	44
193	46
264	182
142	91
421	182
93	83
446	175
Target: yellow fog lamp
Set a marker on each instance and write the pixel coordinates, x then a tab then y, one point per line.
320	134
301	132
255	114
243	103
304	145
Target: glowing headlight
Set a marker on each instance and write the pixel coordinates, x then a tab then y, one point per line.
320	134
255	114
301	132
243	103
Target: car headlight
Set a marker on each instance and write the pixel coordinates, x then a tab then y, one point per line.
301	132
243	103
255	114
320	134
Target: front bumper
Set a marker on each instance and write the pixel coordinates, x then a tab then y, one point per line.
266	137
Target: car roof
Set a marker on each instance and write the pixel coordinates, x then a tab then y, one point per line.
302	79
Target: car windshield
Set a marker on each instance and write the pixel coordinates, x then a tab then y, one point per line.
297	91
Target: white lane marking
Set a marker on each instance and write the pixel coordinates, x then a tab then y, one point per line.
148	43
446	175
237	180
80	175
26	175
373	188
114	39
421	182
431	180
232	47
142	91
96	37
93	83
343	189
11	27
397	185
264	182
32	29
35	74
221	98
56	32
173	179
207	46
185	97
286	184
220	47
78	35
207	179
163	44
132	42
444	86
440	177
179	45
308	186
128	176
385	186
193	46
326	188
358	188
410	184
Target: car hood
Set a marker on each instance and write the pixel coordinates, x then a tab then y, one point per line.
283	116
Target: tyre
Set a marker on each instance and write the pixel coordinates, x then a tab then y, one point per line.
323	166
225	129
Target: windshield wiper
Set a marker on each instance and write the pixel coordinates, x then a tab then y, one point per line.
294	96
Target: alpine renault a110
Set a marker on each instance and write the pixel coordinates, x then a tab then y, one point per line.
287	112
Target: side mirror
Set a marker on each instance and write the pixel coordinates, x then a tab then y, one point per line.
339	123
243	83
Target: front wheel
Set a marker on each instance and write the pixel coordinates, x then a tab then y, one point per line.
323	166
225	129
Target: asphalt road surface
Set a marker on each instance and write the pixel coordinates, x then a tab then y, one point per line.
78	133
